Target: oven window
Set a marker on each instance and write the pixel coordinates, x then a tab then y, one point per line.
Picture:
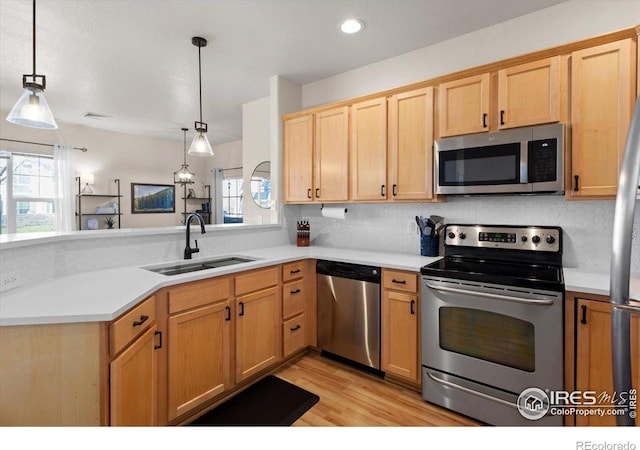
498	164
488	336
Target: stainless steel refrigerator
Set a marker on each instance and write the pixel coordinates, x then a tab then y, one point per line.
621	264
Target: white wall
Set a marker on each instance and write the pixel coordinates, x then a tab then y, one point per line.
587	225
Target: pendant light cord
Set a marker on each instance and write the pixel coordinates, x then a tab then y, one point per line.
34	40
199	78
184	130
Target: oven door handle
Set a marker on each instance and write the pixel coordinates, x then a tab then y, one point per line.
492	296
451	385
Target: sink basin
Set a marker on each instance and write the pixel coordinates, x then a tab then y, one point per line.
177	269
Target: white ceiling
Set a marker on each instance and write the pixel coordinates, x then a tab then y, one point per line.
133	59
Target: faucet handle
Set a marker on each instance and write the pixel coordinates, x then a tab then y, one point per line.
195	250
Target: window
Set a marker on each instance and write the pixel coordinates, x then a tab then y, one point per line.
232	195
26	193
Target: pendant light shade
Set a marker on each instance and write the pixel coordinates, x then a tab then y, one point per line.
31	109
184	176
200	145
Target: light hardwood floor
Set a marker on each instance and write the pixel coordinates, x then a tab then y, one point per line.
349	397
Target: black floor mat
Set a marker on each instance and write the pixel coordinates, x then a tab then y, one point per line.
269	402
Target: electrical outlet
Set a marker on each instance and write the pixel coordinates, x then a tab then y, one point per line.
336	224
9	280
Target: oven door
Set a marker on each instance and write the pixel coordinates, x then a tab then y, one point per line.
510	338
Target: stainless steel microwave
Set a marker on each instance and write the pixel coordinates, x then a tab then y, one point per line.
520	161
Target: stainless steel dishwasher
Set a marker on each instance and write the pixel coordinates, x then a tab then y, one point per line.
349	311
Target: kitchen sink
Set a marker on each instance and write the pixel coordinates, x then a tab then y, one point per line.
177	269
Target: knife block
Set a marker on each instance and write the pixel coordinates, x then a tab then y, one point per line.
303	242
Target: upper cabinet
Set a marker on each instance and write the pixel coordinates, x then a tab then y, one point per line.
529	94
331	155
298	159
463	106
411	145
603	93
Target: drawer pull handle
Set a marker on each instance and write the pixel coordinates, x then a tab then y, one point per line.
399	281
228	310
484	120
317	192
584	315
142	320
309	193
297	327
394	190
292	272
413	307
576	185
159	346
382	192
502	117
241	309
297	291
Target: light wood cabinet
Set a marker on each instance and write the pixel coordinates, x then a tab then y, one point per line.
593	359
331	155
297	159
603	93
463	106
411	145
400	325
368	149
529	94
133	380
295	297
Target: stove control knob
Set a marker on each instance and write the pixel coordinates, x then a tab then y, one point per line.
462	236
451	235
550	239
535	239
524	239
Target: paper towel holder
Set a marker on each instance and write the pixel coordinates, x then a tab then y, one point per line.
322	207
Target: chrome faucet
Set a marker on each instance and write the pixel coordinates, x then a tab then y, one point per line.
188	251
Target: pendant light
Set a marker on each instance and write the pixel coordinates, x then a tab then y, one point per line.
200	145
184	176
32	109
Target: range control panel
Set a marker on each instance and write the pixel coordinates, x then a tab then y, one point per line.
547	239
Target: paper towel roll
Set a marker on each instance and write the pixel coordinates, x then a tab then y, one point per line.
334	212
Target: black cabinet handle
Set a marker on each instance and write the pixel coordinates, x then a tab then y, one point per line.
382	190
584	315
142	320
317	192
502	117
292	272
413	307
399	281
484	120
297	327
159	346
297	291
576	186
241	309
228	310
394	190
309	193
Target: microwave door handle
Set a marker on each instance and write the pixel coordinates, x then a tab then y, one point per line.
524	162
491	296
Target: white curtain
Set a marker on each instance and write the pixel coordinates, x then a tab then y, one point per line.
64	188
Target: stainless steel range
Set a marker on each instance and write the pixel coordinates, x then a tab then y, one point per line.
492	321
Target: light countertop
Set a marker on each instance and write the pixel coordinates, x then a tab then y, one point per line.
103	295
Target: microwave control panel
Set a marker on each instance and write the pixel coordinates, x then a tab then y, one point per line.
542	160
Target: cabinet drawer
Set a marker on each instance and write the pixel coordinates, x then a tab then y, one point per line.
198	293
257	280
130	325
293	334
292	271
294	296
400	280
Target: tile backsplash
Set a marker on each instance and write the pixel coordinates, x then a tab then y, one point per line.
587	225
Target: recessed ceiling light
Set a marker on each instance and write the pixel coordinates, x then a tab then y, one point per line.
351	26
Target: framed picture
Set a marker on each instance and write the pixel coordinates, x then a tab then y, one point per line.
192	194
153	198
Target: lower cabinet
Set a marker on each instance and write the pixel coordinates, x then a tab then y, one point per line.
594	370
400	325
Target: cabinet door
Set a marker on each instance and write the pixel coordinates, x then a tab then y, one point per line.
297	159
529	94
400	334
593	361
463	106
199	350
133	378
602	98
369	150
331	155
411	145
258	334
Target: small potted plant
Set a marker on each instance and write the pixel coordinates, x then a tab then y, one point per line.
110	222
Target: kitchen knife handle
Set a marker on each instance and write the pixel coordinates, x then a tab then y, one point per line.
241	308
413	307
382	190
309	193
228	310
576	187
142	320
159	346
394	190
484	120
584	315
502	117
